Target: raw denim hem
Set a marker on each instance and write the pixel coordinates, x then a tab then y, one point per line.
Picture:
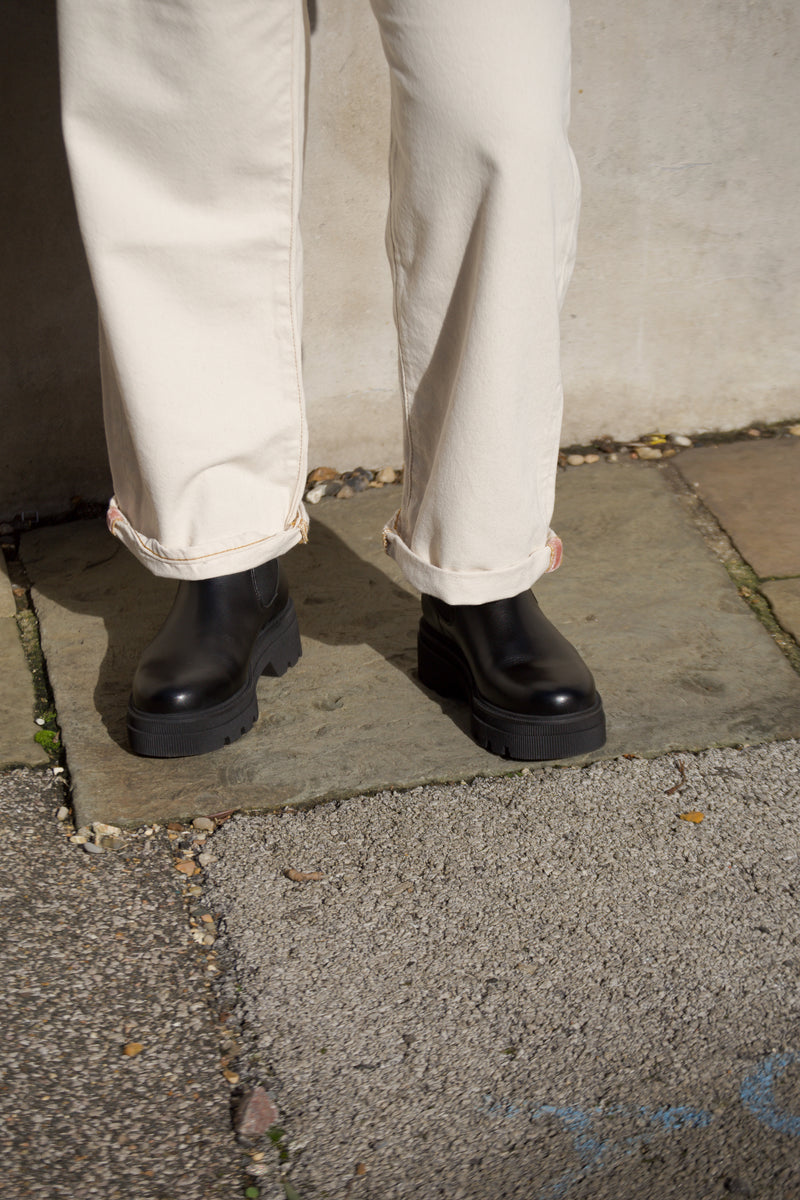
471	587
251	549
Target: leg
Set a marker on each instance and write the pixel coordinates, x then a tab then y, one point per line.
481	237
184	126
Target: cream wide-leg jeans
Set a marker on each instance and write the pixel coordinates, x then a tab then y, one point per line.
184	124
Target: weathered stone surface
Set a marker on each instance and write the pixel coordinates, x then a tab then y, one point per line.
680	660
753	489
784	596
17	747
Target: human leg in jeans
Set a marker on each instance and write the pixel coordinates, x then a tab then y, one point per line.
481	237
184	129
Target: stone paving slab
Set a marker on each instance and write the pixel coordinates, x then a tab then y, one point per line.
680	661
784	596
753	489
17	747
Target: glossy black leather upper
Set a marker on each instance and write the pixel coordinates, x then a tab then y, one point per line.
518	660
200	656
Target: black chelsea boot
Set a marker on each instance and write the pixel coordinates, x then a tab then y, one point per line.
195	687
531	695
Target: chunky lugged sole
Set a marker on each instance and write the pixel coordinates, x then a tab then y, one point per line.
443	669
179	735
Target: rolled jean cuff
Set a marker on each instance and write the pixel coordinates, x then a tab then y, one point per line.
471	587
251	549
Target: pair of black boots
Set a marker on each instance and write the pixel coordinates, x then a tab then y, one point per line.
530	694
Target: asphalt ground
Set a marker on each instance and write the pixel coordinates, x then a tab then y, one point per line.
550	985
96	956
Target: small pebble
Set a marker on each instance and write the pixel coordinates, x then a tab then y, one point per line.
58	770
754	433
206	858
648	452
316	493
62	813
131	1049
79	839
92	848
111	843
591	458
345	492
575	460
321	475
204	824
187	866
359	480
100	829
794	430
612	458
39	720
680	439
255	1114
231	1076
389	475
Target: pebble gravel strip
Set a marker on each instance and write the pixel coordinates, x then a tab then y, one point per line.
343	485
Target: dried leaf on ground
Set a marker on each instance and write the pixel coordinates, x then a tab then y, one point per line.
303	876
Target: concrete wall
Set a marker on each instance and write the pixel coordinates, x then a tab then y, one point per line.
683	310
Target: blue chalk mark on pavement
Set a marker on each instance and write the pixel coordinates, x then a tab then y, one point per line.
757	1094
591	1148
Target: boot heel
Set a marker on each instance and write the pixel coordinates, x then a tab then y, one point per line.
284	647
438	668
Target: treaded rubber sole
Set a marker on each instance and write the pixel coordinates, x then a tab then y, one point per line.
179	735
443	669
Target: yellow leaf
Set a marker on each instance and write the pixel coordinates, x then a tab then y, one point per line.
694	817
132	1049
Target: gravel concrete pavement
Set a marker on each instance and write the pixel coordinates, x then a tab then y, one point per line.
550	985
96	955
